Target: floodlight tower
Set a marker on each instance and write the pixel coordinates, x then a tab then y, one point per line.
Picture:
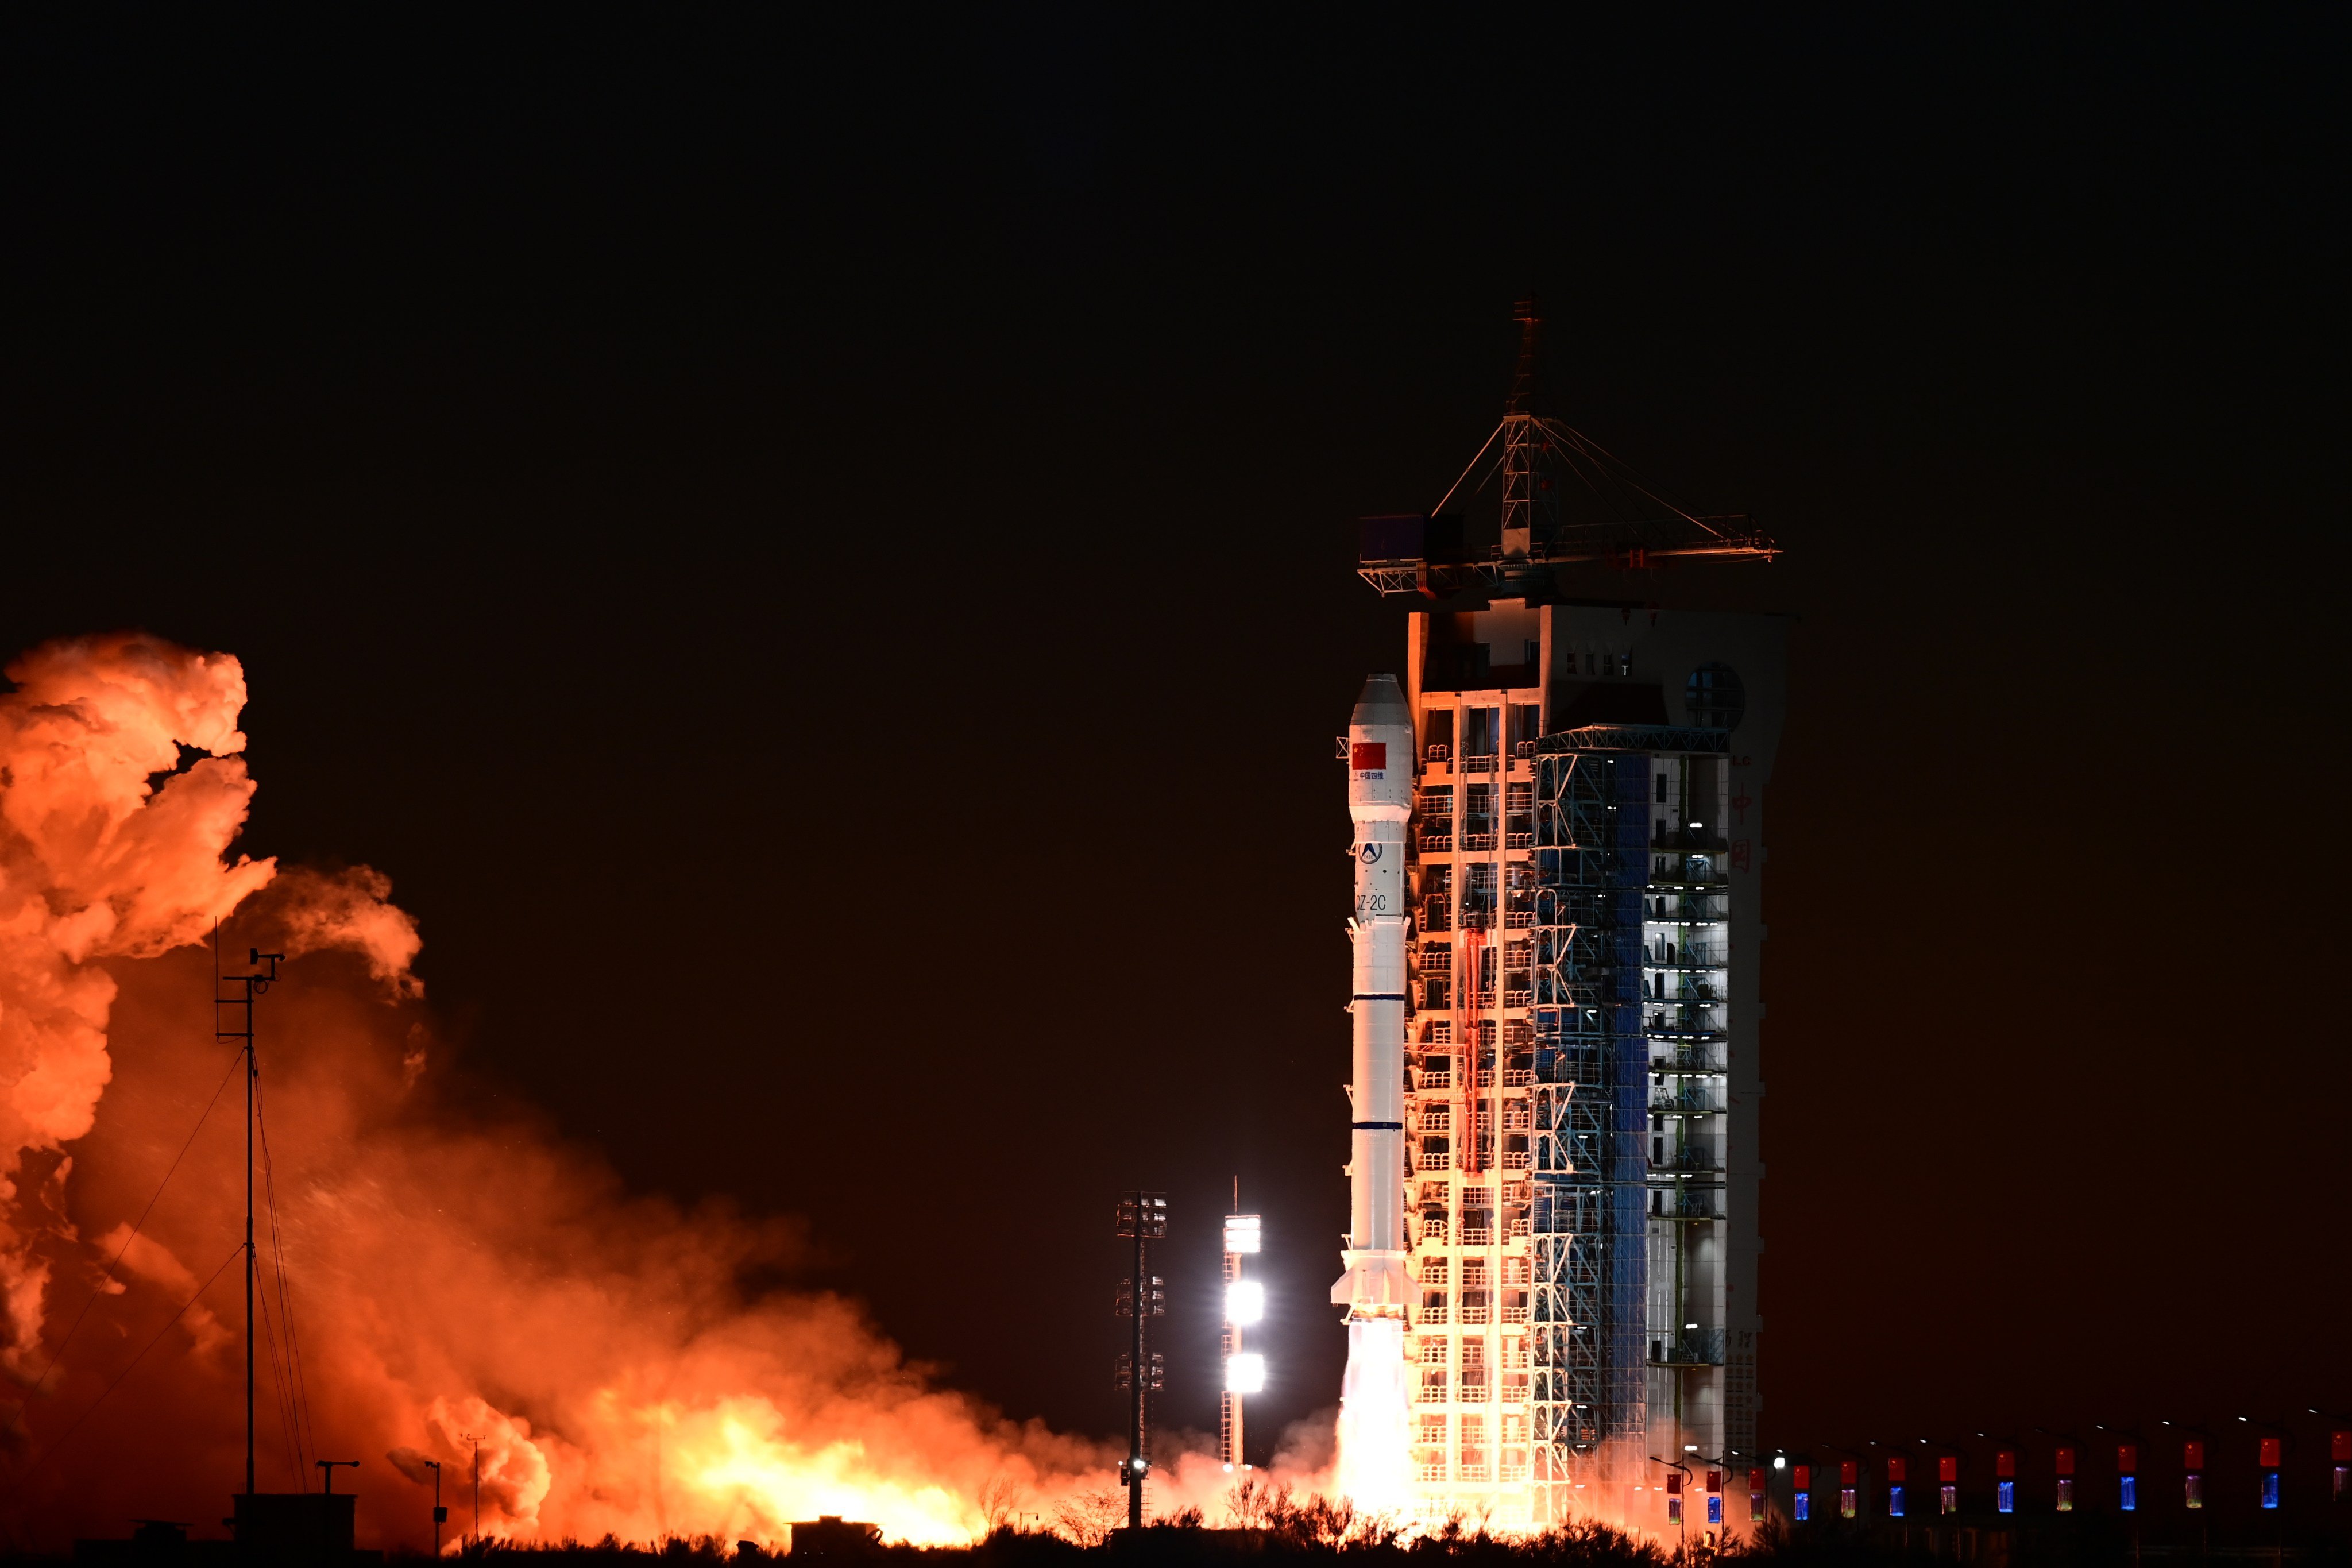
1244	1304
1142	1219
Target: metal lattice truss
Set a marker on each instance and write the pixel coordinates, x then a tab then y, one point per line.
1562	500
1587	1235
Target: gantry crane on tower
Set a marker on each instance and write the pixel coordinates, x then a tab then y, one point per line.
1563	501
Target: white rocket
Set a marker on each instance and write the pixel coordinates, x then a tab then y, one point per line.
1379	799
1374	1468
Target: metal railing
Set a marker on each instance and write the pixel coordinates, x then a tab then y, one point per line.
1686	1060
1693	1029
1435	842
1692	1347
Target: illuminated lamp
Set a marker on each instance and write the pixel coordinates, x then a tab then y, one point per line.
2192	1481
1848	1476
1246	1301
1246	1373
1896	1471
2269	1460
2128	1477
2339	1453
2065	1464
1241	1233
2004	1486
1947	1481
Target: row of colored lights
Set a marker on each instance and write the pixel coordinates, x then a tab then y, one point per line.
2268	1458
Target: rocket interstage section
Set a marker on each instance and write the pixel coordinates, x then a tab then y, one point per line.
1379	802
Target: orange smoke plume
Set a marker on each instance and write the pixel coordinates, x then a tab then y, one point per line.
450	1279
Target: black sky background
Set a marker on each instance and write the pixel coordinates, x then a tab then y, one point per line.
817	559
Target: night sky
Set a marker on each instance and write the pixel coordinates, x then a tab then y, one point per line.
818	560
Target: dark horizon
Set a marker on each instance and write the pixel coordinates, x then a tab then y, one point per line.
850	535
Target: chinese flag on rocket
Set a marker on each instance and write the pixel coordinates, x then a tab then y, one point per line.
1365	756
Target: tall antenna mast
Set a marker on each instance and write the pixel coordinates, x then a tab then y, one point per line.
1566	501
241	1000
1526	494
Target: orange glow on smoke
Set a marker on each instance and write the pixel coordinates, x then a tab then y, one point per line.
453	1278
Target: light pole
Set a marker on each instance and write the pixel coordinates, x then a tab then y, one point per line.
1850	1483
1716	1469
1948	1474
1142	1219
2005	1450
2339	1451
439	1513
2061	1465
1675	1494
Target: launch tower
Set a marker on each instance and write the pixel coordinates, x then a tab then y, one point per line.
1582	1002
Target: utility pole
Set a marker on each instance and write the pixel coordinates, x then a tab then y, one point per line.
1142	1219
476	1442
249	987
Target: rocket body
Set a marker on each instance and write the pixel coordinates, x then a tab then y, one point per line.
1379	802
1374	1468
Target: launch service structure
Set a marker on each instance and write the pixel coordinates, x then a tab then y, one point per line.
1552	1259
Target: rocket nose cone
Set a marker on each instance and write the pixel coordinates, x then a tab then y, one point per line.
1382	703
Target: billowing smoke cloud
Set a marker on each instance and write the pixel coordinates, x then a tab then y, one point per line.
96	863
456	1284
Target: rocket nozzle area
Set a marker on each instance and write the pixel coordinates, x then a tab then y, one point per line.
1375	1285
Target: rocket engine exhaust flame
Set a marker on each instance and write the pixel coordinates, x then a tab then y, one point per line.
1373	1414
454	1280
